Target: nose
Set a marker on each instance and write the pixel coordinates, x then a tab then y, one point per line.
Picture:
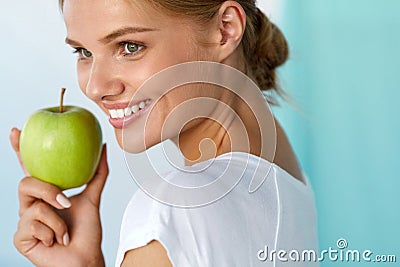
103	81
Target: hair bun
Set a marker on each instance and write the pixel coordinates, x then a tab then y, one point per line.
270	50
271	45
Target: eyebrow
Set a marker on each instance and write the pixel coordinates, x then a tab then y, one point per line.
113	35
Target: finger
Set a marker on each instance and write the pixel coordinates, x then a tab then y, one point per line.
31	189
34	230
95	186
14	139
45	215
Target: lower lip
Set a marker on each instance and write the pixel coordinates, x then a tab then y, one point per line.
125	121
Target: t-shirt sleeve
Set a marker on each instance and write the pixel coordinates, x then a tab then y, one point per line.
144	220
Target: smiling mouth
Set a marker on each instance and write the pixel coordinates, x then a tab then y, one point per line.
128	111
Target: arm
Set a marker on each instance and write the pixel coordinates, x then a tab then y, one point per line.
151	255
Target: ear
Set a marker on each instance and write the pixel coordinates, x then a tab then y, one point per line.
231	27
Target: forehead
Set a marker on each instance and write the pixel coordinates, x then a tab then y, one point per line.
98	17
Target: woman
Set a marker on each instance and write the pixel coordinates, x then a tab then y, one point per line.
121	44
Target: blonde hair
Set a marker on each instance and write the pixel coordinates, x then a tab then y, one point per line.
263	43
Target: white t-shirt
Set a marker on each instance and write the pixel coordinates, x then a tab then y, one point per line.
239	229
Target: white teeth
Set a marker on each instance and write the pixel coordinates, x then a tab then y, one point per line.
121	113
128	111
113	113
135	108
142	105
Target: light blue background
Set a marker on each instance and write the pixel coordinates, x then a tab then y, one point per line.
343	74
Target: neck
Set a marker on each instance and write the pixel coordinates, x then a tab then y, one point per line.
227	132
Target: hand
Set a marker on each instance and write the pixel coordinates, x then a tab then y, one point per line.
54	230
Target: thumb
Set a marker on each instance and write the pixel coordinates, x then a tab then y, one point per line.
95	187
14	140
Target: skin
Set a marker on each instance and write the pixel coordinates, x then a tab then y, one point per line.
107	75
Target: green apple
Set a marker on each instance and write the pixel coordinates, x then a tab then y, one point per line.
61	145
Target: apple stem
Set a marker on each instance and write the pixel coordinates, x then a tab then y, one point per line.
62	100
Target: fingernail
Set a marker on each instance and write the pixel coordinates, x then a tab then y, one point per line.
66	239
63	201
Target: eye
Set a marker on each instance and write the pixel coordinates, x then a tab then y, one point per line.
86	53
131	48
83	53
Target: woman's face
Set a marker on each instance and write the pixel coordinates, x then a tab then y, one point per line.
121	44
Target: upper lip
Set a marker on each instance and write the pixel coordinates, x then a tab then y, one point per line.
121	105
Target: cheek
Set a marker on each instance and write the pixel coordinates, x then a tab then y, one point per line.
83	76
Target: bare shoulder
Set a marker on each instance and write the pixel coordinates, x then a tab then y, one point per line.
151	255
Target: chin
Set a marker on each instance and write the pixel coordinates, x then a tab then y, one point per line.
134	144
